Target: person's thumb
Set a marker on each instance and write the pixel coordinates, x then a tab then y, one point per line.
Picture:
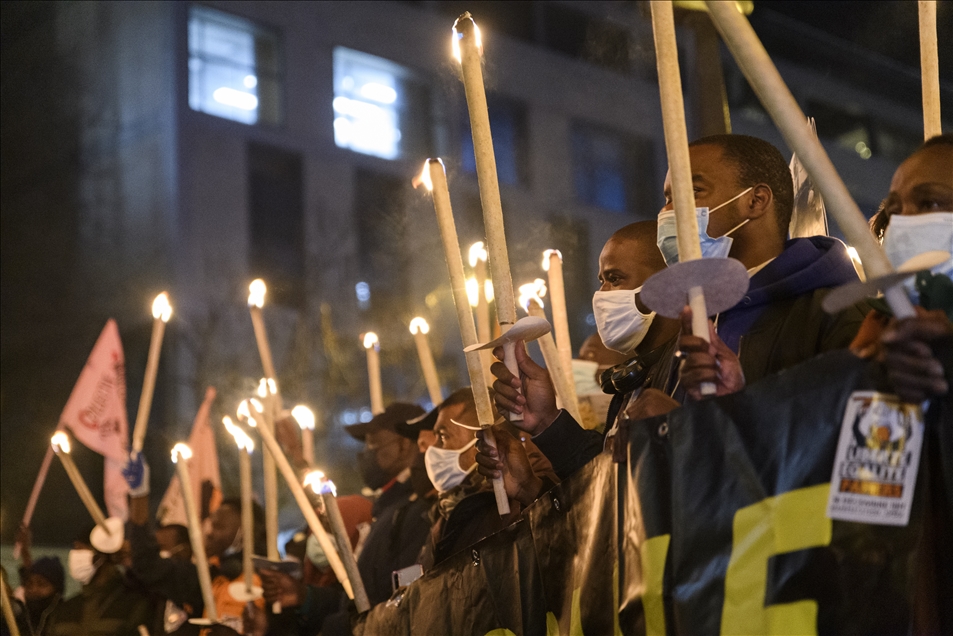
526	364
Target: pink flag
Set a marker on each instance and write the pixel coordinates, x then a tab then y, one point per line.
96	414
206	479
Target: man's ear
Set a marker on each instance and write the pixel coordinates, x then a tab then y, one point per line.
760	201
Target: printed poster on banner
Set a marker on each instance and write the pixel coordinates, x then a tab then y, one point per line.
878	454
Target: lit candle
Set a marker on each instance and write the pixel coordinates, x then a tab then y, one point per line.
530	299
271	445
61	446
777	99
324	487
468	50
266	391
245	448
305	419
161	312
553	265
256	300
434	179
181	453
372	346
929	69
419	328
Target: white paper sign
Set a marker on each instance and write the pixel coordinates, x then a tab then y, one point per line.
878	454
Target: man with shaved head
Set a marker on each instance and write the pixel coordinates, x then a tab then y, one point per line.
626	326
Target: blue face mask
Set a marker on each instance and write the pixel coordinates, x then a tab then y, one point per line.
711	247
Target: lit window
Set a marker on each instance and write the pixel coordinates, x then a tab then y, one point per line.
233	67
378	108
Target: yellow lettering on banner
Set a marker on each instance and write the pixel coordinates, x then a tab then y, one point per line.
575	614
500	631
616	627
552	625
791	521
653	553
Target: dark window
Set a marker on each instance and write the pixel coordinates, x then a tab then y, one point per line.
234	67
571	237
380	211
276	224
612	170
508	124
577	34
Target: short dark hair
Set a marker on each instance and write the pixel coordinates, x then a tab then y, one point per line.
757	161
945	139
258	517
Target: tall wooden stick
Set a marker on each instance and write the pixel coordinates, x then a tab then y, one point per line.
180	454
777	99
929	69
61	445
8	610
266	391
161	312
372	347
553	265
419	328
435	179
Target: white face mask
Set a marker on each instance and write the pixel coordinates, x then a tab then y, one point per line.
584	376
910	235
315	552
81	566
443	466
620	323
667	240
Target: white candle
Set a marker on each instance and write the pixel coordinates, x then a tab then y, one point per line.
553	265
372	346
256	300
325	489
929	69
245	448
306	420
266	391
161	312
330	551
181	453
435	179
468	50
774	94
61	446
419	328
484	291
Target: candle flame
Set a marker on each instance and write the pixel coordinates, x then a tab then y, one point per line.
473	290
60	442
303	416
161	308
320	484
180	450
424	177
256	293
532	292
241	438
419	325
245	413
458	35
548	255
370	340
477	253
266	387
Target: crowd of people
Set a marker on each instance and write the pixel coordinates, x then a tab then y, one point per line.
431	471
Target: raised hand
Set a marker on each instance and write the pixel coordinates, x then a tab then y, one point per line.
136	473
532	393
281	588
706	362
509	461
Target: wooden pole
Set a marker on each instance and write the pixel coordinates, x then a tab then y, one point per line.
679	162
372	347
334	559
435	178
344	544
469	45
270	476
565	389
8	610
777	99
419	328
248	521
161	312
180	455
61	446
553	264
929	69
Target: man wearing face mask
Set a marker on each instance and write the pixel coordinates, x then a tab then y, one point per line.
108	605
645	340
400	515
